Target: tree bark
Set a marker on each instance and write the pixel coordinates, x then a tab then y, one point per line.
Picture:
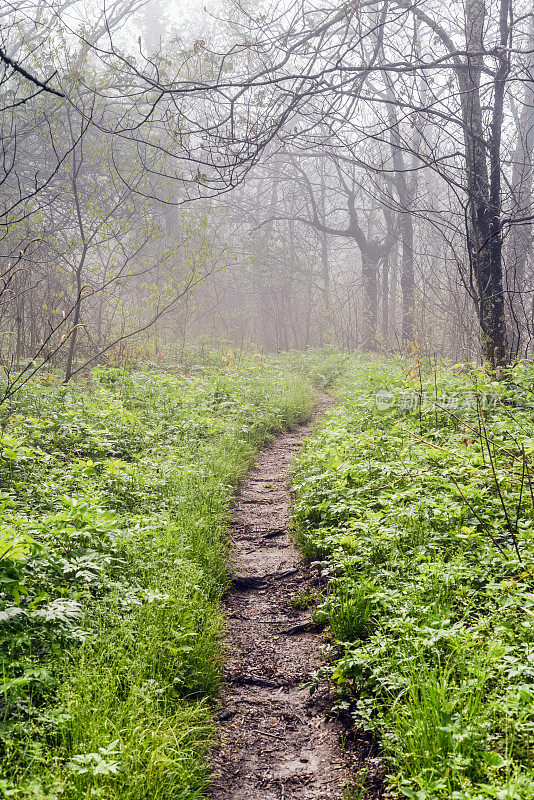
519	245
484	214
370	266
483	180
76	318
405	197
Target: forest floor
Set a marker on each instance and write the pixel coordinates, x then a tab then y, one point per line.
276	739
408	622
115	495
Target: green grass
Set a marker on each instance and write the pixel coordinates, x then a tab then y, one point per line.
303	600
114	499
413	516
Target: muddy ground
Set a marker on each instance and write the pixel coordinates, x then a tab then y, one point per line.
275	739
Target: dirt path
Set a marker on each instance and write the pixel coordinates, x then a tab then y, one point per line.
275	740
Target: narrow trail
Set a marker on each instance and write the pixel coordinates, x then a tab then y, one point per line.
275	741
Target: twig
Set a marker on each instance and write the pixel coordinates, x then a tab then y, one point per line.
270	735
498	487
525	461
29	77
431	444
520	500
490	534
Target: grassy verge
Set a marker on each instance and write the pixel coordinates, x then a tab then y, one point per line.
418	506
114	498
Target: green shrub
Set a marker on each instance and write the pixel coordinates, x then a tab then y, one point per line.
418	507
114	499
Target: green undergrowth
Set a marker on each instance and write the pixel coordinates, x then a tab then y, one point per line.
113	500
415	498
321	368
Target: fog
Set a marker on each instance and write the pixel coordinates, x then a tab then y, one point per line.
265	176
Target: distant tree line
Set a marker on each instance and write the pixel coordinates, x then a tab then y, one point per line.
362	178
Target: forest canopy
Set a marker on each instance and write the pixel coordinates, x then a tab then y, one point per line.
279	175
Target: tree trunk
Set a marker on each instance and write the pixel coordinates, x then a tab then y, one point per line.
484	202
370	265
72	342
407	278
385	299
519	246
405	196
76	317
